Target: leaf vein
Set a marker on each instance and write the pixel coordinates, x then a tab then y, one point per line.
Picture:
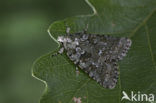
119	86
142	23
149	45
79	89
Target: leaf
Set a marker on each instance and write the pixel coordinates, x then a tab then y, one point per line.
132	18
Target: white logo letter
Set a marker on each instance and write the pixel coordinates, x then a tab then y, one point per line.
125	96
151	98
133	96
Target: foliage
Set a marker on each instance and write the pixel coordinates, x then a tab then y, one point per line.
130	18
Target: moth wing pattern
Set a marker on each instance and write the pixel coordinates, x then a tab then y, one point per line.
120	49
97	55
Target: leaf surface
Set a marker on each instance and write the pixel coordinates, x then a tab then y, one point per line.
125	18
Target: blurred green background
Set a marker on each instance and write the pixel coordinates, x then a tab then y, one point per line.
23	38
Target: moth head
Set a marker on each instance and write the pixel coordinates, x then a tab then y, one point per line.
63	39
60	39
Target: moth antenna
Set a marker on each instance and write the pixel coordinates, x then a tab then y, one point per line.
68	30
85	30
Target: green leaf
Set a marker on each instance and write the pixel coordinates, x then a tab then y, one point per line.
132	18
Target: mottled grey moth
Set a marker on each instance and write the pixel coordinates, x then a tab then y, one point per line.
96	54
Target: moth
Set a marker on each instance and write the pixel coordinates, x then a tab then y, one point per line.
96	54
